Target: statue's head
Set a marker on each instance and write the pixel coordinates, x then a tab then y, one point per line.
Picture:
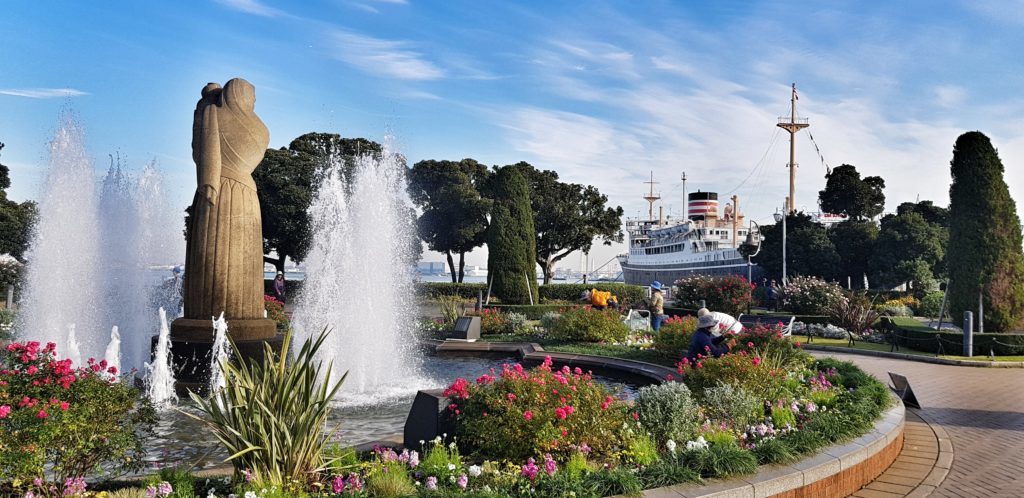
239	93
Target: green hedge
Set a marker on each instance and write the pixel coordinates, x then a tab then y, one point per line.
550	292
952	342
534	312
808	319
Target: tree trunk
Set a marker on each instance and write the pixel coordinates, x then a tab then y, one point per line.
451	267
545	266
278	262
462	266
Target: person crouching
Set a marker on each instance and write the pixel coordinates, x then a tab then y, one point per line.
704	343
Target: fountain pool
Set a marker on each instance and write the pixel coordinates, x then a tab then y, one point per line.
363	417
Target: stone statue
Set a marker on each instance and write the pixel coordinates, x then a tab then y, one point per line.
224	259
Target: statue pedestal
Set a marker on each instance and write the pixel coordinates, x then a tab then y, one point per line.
192	345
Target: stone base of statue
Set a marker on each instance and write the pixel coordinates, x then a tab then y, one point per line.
240	330
192	348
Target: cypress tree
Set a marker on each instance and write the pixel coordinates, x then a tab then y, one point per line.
511	240
984	254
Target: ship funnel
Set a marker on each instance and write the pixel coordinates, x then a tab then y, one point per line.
702	205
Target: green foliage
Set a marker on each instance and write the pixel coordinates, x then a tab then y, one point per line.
525	418
666	472
846	193
567	217
390	481
7	318
729	294
534	312
674	336
181	480
721	460
286	180
811	296
640	450
75	419
984	251
617	481
668	411
909	249
774	450
855	314
855	243
930	304
808	249
511	240
732	405
275	312
434	290
16	221
454	218
517	323
450	307
270	415
441	460
492	321
586	324
627	294
549	319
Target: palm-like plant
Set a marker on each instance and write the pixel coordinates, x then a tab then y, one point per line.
270	415
855	313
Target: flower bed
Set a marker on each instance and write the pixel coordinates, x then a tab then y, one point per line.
730	294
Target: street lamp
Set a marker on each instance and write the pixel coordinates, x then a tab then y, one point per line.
750	243
782	217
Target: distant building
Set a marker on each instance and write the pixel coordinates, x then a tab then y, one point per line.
432	267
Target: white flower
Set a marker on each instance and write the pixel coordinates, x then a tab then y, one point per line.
250	494
475	471
451	466
699	444
671	445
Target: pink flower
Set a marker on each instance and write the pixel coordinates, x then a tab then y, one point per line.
4	411
530	470
431	482
757	361
560	413
337	484
511	397
463	481
549	465
41	414
64	406
528	415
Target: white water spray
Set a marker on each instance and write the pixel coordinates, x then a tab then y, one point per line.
220	354
159	375
73	349
358	275
113	353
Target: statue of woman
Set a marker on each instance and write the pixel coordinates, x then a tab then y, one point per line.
224	265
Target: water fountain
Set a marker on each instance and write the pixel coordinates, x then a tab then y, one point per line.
358	275
159	374
221	353
113	353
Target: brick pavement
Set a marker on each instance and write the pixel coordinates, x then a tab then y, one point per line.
981	410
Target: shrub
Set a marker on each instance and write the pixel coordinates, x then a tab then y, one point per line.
492	321
275	311
571	292
732	405
465	290
65	422
855	315
533	312
768	343
449	306
810	296
894	309
517	323
6	323
585	324
742	370
930	304
524	413
270	415
668	411
721	459
549	319
730	294
673	339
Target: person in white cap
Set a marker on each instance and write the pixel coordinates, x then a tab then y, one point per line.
726	322
706	345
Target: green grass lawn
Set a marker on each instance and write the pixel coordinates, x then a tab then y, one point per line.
868	346
610	350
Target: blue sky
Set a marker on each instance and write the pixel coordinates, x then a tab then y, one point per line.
602	92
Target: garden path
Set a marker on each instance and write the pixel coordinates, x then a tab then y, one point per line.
981	410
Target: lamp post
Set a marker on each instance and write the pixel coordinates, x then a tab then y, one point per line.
750	242
782	217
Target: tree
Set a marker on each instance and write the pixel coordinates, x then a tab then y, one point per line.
454	218
936	215
984	256
15	219
854	241
846	193
286	179
567	217
511	242
909	249
809	251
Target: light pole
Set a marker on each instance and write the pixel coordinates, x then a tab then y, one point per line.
750	242
782	217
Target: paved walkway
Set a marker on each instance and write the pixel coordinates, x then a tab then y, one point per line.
981	410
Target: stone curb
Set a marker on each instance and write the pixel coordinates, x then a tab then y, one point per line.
912	357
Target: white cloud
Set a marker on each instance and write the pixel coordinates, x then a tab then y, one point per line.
949	95
386	58
253	7
42	93
1004	11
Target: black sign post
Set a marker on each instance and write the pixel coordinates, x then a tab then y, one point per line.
901	387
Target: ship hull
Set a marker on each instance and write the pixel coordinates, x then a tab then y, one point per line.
668	273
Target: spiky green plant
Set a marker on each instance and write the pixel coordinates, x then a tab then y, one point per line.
270	415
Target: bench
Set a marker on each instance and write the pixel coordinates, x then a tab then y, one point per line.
751	321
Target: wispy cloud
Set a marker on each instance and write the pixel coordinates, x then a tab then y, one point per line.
42	93
395	2
385	58
254	7
949	95
364	7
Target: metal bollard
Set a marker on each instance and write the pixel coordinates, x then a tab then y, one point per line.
702	305
10	298
479	300
968	333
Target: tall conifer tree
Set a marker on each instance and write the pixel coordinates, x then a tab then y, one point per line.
511	240
984	254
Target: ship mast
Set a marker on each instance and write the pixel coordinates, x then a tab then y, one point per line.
651	198
793	125
686	201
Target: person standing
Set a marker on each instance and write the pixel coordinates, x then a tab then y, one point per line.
773	296
279	289
657	306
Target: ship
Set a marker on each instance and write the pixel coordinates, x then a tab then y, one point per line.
704	242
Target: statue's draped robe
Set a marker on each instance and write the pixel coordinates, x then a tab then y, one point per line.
224	267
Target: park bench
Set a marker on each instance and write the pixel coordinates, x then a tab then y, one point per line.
638	320
751	321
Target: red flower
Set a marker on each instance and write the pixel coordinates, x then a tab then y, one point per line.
42	414
528	415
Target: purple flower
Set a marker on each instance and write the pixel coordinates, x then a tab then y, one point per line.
164	488
337	485
431	482
414	459
463	481
355	483
549	465
150	491
530	470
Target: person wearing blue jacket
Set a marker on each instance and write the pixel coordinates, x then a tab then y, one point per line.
704	343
